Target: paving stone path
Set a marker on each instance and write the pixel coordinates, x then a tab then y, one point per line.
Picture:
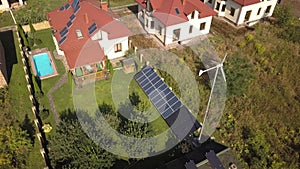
62	81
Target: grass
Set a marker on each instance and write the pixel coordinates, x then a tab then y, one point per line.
19	97
6	19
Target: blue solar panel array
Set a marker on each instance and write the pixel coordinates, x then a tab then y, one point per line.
72	17
62	40
159	93
69	24
64	32
76	9
92	28
75	3
62	8
67	6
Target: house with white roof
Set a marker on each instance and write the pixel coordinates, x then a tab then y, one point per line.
173	21
87	35
242	12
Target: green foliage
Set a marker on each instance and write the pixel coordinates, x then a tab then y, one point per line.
260	49
292	33
109	66
32	30
14	147
249	38
83	154
23	36
283	15
239	73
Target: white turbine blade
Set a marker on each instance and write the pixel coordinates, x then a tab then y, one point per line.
201	72
223	73
224	58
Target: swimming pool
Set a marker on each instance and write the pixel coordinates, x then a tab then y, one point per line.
42	64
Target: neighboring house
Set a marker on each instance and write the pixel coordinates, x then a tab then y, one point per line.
6	4
174	21
242	12
3	71
87	35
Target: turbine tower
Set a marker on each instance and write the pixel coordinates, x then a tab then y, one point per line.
217	67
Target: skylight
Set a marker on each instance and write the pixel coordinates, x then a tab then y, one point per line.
177	11
79	34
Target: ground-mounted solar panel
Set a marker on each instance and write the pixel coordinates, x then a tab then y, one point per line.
69	24
158	92
62	40
92	28
67	6
64	32
72	17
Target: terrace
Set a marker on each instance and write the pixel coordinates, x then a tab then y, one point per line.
90	73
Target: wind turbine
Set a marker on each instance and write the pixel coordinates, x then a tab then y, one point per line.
218	66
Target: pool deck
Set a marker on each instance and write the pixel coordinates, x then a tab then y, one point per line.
33	68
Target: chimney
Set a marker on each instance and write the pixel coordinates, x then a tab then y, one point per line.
86	18
104	6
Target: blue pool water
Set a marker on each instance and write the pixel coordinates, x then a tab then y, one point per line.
42	64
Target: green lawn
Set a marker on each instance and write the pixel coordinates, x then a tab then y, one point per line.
6	19
19	96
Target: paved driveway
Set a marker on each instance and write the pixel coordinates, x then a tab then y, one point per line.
133	24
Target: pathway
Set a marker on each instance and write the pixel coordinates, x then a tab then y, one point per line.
62	81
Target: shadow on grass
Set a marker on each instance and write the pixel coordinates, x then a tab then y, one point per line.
7	39
27	125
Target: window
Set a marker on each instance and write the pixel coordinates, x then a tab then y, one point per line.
176	34
247	16
202	26
191	29
223	8
152	24
218	6
258	12
79	34
147	22
232	11
210	1
193	15
118	47
268	9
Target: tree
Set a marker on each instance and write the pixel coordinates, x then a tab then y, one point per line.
23	36
72	148
14	147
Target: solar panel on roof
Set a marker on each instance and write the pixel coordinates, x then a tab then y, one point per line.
92	28
76	9
64	32
158	92
62	8
69	23
75	3
72	17
62	40
67	6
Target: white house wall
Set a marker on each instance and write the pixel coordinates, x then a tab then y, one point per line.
254	8
185	27
5	5
60	52
109	46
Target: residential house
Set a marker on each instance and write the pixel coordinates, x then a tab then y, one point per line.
86	34
243	12
3	70
173	21
6	4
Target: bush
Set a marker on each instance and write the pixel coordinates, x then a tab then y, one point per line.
283	15
260	49
249	38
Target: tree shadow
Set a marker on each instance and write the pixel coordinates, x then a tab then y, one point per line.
7	39
134	98
28	126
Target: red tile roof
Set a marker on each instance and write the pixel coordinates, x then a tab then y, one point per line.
246	2
88	14
192	5
165	10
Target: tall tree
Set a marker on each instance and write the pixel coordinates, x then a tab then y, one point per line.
72	148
